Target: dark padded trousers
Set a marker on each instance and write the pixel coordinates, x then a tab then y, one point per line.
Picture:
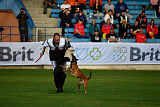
59	77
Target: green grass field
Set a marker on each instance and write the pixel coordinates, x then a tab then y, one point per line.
106	88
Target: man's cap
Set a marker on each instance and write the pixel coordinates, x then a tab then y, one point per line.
112	29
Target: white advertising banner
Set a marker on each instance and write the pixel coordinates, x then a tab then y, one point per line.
20	53
88	53
117	53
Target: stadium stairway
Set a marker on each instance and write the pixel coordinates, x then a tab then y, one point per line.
42	21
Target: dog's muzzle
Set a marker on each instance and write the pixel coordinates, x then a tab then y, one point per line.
68	54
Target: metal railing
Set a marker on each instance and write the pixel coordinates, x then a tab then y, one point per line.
33	34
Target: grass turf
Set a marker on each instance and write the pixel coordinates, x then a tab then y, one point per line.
106	88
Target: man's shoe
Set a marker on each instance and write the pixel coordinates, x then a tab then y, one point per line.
58	90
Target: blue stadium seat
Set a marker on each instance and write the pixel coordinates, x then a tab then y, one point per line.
157	22
104	40
137	2
89	21
116	31
99	20
54	15
69	35
153	40
132	21
134	7
73	21
59	1
69	30
55	10
88	11
80	40
87	25
128	40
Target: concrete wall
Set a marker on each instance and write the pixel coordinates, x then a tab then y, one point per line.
7	18
15	6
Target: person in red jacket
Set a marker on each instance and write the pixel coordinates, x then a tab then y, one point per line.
142	19
140	36
79	30
106	28
152	30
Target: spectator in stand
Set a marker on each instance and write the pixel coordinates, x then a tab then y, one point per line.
142	19
109	15
152	30
97	7
96	37
81	15
140	36
93	2
122	6
49	3
154	4
79	30
66	20
65	5
133	29
106	28
158	13
23	26
82	4
108	7
112	37
75	8
92	27
123	25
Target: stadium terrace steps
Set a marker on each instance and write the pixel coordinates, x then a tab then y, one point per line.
35	9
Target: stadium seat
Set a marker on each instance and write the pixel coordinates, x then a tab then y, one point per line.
54	15
55	10
88	11
80	40
134	7
69	35
153	40
128	40
132	21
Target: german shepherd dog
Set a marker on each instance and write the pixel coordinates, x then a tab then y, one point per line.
75	71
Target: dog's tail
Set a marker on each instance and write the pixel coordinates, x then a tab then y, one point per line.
90	74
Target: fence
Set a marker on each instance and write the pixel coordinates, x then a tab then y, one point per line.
33	32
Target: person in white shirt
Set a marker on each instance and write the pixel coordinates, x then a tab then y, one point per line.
108	7
109	15
65	5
